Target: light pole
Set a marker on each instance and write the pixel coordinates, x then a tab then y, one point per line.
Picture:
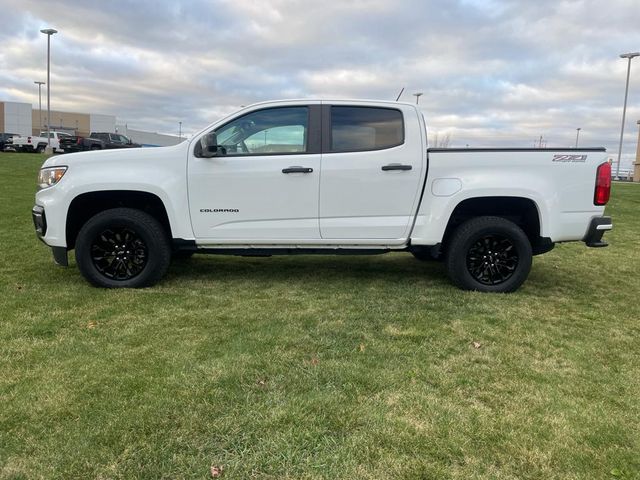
39	104
417	95
628	56
48	32
180	131
577	135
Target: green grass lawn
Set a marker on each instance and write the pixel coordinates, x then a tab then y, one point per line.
318	367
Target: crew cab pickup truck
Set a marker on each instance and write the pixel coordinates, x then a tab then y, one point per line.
320	177
76	143
37	144
96	141
115	140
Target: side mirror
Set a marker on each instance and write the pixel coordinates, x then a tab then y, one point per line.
210	147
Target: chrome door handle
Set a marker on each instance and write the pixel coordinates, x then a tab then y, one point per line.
297	169
396	166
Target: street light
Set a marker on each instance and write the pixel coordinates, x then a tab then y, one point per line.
48	32
40	104
180	131
417	95
629	56
577	135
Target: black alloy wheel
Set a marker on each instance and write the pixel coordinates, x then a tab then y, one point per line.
123	248
492	259
119	253
488	254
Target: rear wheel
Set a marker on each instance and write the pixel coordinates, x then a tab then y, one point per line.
123	247
489	254
40	149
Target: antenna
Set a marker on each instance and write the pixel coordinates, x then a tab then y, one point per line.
400	94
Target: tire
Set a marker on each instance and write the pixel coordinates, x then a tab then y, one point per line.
40	149
142	258
488	254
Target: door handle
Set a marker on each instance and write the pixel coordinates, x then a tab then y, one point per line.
396	166
297	169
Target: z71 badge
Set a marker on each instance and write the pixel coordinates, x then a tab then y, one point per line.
570	158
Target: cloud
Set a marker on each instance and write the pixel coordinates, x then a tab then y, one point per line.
493	72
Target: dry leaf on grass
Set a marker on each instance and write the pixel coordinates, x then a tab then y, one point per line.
476	344
315	361
91	324
216	471
362	347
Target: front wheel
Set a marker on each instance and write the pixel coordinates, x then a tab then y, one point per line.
123	248
489	254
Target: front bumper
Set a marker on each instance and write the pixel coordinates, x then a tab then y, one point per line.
40	224
39	221
597	228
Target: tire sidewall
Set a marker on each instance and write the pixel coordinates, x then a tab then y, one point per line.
499	226
157	247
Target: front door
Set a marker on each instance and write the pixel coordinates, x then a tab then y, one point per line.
263	184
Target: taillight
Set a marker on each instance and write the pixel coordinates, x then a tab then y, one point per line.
79	140
603	184
28	139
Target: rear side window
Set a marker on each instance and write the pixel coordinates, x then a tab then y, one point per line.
355	129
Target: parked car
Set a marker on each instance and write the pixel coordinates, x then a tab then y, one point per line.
80	144
114	140
37	144
330	177
5	140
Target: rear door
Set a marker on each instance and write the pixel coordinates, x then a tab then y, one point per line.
372	166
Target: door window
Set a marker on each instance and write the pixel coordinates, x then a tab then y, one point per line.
355	129
266	132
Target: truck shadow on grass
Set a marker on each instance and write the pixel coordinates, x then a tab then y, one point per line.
394	268
397	269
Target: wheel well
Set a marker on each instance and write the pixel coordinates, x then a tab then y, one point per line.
522	211
86	205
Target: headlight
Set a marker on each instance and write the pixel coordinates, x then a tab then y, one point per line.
48	177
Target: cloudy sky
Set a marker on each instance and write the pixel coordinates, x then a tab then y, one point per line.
493	72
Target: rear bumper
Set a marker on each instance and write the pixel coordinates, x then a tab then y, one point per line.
40	224
597	229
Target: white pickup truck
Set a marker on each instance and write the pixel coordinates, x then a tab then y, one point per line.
38	144
354	177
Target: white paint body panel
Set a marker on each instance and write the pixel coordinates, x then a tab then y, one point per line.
562	192
270	204
160	171
358	200
347	201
